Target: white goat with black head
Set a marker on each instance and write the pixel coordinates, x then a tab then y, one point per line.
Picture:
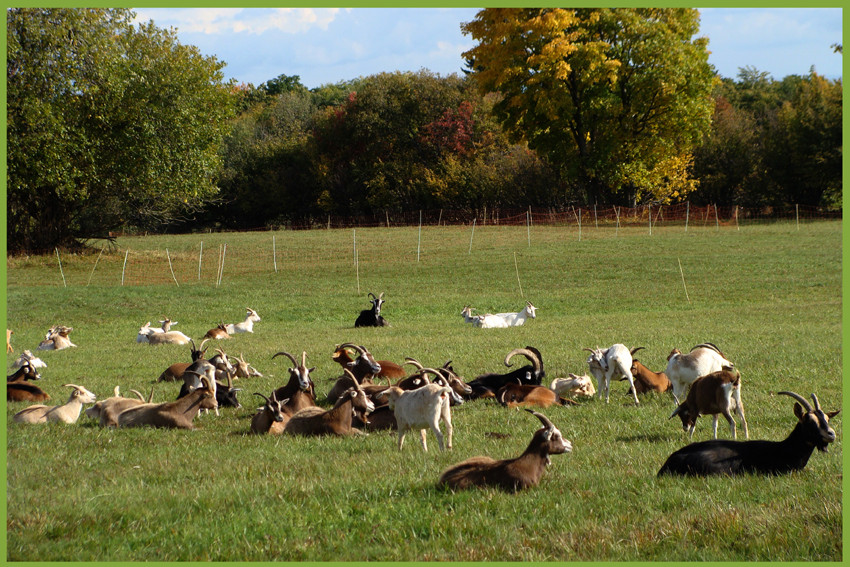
610	364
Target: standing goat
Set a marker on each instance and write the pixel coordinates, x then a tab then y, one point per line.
612	363
510	474
68	412
422	408
723	456
372	317
683	369
713	394
246	326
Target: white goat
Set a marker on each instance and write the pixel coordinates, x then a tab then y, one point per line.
421	408
146	330
517	319
68	412
574	385
28	357
684	369
614	362
246	326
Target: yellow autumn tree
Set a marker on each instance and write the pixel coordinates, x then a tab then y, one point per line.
615	97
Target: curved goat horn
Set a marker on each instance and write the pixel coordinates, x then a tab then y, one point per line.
634	350
292	358
817	403
806	405
543	419
304	358
359	349
589	350
268	401
413	362
372	295
527	353
203	342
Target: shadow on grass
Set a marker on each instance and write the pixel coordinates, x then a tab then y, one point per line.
648	438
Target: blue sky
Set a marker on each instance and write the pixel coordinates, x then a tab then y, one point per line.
328	45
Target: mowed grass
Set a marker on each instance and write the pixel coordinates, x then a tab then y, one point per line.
769	296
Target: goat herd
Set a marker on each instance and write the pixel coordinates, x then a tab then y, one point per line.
703	382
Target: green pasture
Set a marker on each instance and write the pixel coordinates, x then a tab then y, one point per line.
769	296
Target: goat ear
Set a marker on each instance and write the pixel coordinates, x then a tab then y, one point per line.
799	411
311	369
547	435
832	414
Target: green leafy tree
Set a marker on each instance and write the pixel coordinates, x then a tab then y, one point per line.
616	97
109	124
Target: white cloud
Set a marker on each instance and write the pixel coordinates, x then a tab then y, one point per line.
221	21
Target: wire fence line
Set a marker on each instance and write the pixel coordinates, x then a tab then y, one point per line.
214	258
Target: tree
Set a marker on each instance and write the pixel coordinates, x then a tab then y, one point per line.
616	97
109	124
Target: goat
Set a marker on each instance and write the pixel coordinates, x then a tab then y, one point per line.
246	326
146	330
372	317
446	377
176	415
168	338
225	394
514	395
28	357
488	384
510	474
176	370
365	366
489	321
68	412
421	408
300	390
107	411
9	349
519	318
724	456
271	418
467	315
17	388
614	361
575	385
242	369
712	394
646	380
218	332
57	338
683	369
335	421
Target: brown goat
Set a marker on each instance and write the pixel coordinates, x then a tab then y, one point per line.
363	367
514	395
271	418
648	381
19	390
178	414
300	390
174	373
713	394
219	332
336	421
510	474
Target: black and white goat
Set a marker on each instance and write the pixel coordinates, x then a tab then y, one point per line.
372	317
486	385
724	456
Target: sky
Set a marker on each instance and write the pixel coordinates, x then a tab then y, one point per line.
330	45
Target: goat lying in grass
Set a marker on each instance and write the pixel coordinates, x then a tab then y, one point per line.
727	457
68	412
177	415
510	474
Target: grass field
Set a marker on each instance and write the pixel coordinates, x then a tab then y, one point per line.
769	296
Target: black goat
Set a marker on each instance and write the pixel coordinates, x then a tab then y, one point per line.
372	317
487	385
722	456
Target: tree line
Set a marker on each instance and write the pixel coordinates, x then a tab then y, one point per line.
112	125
